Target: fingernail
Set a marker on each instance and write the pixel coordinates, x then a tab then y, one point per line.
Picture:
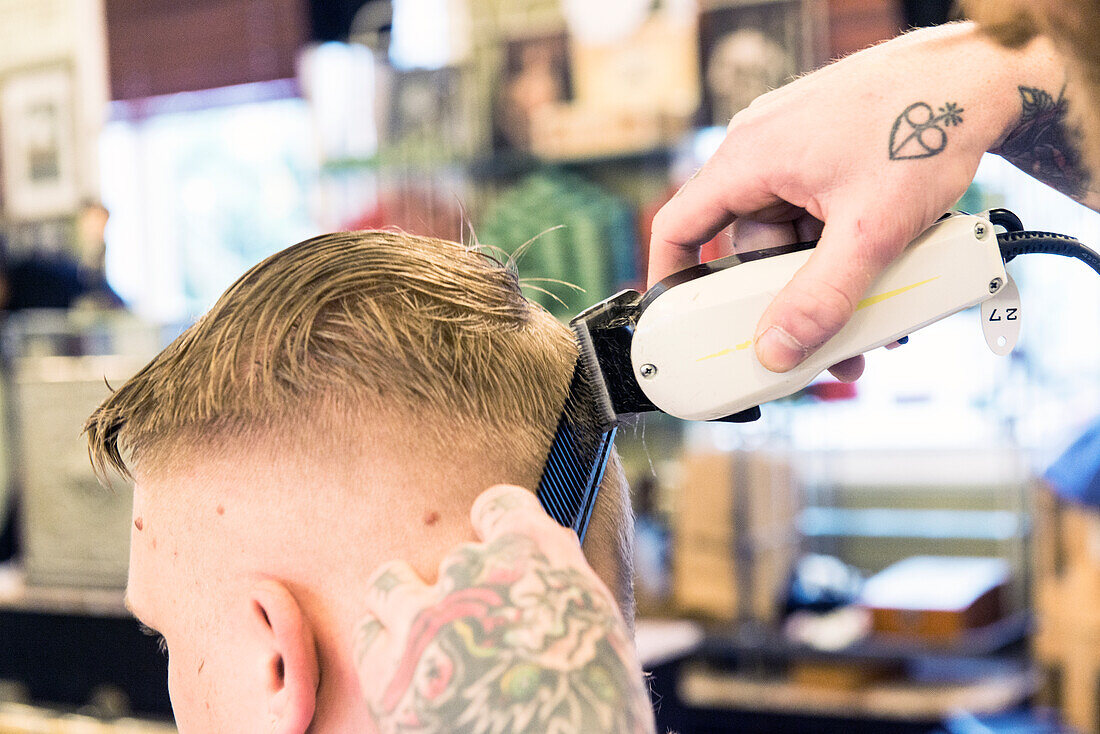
778	350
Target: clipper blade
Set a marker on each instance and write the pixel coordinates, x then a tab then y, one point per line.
581	447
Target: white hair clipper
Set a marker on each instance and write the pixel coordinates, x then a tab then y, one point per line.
685	347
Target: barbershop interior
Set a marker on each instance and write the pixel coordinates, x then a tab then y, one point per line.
916	552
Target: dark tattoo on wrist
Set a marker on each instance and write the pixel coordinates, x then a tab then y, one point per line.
921	132
1043	144
517	644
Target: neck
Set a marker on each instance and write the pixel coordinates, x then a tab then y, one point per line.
341	706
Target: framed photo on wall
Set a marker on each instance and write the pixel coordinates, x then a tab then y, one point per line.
749	48
38	152
536	74
426	115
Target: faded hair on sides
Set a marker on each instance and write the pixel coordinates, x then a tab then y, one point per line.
375	323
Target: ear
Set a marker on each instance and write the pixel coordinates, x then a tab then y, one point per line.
292	675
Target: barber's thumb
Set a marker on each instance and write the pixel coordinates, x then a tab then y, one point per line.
505	508
811	308
855	247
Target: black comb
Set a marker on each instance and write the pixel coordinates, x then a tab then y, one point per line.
581	446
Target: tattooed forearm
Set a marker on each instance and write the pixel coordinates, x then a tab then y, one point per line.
516	644
921	132
1044	145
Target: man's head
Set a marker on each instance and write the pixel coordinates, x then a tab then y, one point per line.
341	405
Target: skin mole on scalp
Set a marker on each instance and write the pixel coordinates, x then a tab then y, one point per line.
139	523
221	510
431	517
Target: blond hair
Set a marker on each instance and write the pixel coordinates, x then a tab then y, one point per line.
372	321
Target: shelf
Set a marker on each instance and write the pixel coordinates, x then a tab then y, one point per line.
883	522
504	164
659	641
17	596
17	717
766	645
898	700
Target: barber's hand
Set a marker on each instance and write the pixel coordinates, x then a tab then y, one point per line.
876	147
518	635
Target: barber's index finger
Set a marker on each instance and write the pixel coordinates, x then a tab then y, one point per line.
856	245
703	207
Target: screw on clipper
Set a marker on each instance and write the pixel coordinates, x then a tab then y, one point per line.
995	284
980	229
648	371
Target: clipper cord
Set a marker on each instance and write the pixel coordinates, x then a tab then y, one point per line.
1017	241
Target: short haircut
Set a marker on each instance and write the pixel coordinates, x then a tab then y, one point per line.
376	322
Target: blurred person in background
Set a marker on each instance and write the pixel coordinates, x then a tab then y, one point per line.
75	279
91	226
64	280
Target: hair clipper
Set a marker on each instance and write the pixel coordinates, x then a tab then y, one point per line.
685	346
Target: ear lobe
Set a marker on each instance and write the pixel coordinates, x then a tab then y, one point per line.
292	671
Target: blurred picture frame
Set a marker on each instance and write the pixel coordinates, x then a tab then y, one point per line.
38	142
748	48
427	115
536	74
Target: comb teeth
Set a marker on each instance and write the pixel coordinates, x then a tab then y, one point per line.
592	379
578	456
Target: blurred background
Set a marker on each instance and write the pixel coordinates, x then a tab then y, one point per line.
900	555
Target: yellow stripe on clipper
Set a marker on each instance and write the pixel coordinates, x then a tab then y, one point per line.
869	301
724	352
872	300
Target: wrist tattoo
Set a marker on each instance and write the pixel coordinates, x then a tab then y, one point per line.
517	644
1044	145
921	132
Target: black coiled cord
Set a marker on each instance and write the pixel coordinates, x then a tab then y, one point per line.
1015	241
1046	243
